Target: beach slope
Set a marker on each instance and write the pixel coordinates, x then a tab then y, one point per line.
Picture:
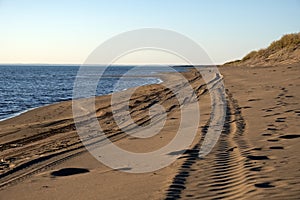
256	156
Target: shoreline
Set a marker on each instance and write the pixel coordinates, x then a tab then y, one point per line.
46	138
26	116
154	75
257	148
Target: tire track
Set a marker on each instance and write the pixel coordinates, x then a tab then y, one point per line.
228	172
62	129
38	165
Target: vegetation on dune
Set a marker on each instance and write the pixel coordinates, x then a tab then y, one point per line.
290	41
276	52
250	55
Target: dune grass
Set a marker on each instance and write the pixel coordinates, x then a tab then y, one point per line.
287	43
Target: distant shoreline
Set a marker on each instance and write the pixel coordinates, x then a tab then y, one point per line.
153	79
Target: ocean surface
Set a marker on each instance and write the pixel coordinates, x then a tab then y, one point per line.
24	87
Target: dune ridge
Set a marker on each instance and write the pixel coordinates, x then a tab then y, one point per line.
284	51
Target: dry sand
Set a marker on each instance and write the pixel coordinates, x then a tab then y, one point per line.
256	156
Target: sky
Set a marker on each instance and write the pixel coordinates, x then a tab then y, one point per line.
67	31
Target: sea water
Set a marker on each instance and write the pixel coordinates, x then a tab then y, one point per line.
24	87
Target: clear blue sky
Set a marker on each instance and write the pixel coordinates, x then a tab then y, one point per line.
49	31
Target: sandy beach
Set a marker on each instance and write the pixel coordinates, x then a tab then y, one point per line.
256	156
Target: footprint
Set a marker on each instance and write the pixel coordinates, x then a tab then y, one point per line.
251	157
231	149
272	140
256	149
264	185
270	115
254	99
266	134
289	111
276	147
280	119
289	136
256	169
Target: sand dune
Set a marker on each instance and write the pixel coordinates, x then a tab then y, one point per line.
285	51
256	156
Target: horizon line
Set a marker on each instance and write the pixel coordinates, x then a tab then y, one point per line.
119	64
